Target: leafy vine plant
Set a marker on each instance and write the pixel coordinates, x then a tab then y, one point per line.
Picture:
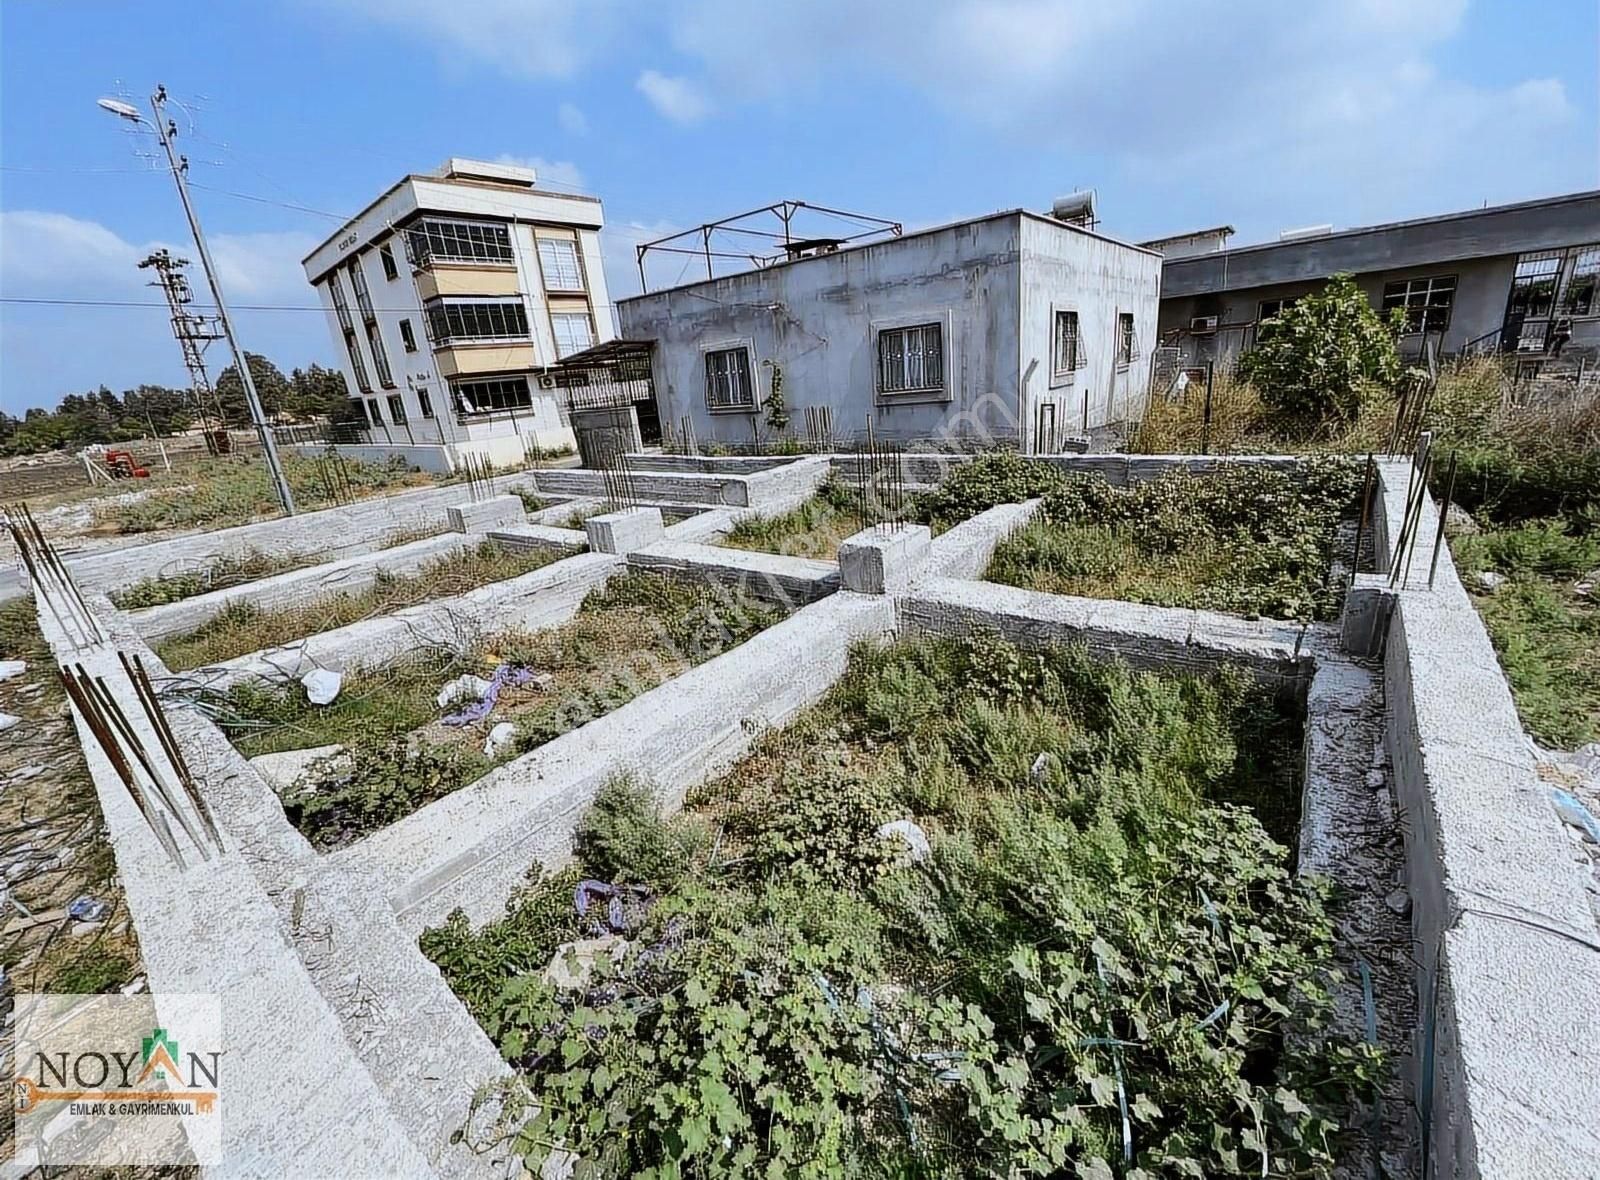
777	409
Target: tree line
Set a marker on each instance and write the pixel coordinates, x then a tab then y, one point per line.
101	416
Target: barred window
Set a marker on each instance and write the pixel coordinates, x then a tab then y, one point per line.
425	403
1069	355
558	258
340	304
911	360
1579	299
363	382
380	358
574	332
373	412
459	241
397	409
1127	343
495	393
1533	286
1426	302
477	319
728	385
358	284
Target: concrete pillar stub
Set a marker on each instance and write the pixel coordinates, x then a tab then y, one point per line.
483	515
623	532
885	560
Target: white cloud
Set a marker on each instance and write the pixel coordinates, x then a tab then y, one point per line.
528	38
51	350
679	99
572	120
556	173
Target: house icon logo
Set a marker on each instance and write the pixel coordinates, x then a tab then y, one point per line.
159	1054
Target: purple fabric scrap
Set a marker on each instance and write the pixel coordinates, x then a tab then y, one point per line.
505	676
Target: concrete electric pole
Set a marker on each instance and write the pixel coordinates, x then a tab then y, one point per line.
166	130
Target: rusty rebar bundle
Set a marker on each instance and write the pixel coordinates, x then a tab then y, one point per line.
52	581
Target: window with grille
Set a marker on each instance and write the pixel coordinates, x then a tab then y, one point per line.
459	241
1533	285
358	284
408	337
380	358
390	271
1127	342
425	403
363	382
340	304
397	409
1069	355
574	332
558	258
496	393
477	319
728	384
1580	296
373	413
1425	302
911	360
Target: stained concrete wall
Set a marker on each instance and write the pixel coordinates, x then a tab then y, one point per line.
769	577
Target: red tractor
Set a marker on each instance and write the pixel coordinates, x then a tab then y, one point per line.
122	465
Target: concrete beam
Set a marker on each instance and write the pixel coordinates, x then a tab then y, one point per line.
789	582
885	560
965	551
541	537
479	516
623	532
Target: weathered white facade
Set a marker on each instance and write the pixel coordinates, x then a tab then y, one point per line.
989	330
449	297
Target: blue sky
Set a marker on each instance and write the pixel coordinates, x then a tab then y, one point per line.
1261	114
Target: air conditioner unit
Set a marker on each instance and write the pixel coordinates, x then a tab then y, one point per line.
547	380
1201	324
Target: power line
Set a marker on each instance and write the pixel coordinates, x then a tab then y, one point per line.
340	217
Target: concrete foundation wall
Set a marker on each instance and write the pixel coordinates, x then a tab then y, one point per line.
783	581
352	575
472	848
965	551
546	597
1507	946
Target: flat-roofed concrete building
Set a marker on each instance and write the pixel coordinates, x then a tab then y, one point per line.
1518	279
1015	327
450	299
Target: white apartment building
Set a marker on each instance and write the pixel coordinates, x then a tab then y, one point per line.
449	298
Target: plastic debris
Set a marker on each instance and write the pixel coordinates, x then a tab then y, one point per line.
1490	581
11	669
322	685
87	909
914	838
573	963
499	738
1042	766
465	686
615	897
1573	812
486	692
7	720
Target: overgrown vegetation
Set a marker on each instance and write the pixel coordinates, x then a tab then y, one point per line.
999	477
629	636
224	492
1245	539
218	575
242	627
1104	968
814	529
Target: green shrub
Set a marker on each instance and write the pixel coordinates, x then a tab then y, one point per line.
383	782
1319	358
623	838
999	477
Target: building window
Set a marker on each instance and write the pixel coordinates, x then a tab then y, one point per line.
408	337
340	304
1426	302
1069	355
1127	343
477	319
574	332
459	241
424	403
397	409
911	360
728	385
373	413
558	258
1533	286
390	271
363	382
497	393
1579	299
1268	308
358	284
380	358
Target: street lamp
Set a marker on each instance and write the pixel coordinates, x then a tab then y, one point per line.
165	130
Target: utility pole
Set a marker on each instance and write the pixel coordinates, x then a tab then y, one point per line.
193	332
166	131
